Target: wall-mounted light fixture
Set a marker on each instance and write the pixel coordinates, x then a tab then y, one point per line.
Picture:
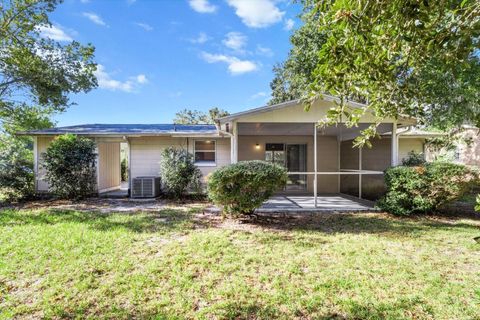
257	146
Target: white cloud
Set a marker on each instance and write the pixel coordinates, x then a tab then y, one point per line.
202	6
289	23
257	95
141	78
235	65
202	38
144	26
54	32
264	51
175	94
105	81
95	18
257	13
235	41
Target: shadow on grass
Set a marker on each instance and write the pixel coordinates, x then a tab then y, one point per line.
166	219
360	223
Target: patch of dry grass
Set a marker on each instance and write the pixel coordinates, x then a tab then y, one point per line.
177	263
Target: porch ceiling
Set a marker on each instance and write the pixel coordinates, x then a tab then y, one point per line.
304	129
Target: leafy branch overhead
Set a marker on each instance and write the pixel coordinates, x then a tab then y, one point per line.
187	116
412	58
37	74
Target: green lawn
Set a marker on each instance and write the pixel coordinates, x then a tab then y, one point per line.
179	264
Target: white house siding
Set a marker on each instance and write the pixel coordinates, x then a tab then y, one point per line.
108	165
327	155
145	154
407	145
42	144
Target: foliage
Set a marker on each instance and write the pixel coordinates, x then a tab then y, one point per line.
178	172
187	116
242	187
70	163
423	189
414	159
293	76
16	169
477	205
406	58
124	169
37	74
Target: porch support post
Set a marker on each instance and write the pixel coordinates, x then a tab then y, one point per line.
234	143
35	163
394	144
315	163
360	173
129	167
97	163
339	159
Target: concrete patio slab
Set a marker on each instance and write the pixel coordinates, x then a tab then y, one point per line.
325	203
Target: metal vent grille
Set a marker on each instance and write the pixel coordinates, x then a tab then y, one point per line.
145	187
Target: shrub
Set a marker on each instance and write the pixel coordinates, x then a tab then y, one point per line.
414	159
422	189
16	170
178	172
70	166
242	187
124	169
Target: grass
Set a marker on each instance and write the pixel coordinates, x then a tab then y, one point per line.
176	264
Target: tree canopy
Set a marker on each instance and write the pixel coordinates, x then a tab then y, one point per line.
413	58
37	74
188	116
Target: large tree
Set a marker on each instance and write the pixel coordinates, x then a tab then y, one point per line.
37	74
188	116
405	57
293	76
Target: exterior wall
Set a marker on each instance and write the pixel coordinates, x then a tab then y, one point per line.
42	144
466	151
145	154
407	145
108	166
327	156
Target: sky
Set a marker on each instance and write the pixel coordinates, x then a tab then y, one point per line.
158	57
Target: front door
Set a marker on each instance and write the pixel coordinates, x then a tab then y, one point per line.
294	158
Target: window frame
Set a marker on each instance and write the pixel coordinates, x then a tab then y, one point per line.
206	163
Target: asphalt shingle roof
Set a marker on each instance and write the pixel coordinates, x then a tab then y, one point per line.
126	129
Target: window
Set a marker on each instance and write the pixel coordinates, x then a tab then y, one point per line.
205	152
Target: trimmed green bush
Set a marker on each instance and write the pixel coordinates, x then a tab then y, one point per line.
423	189
242	187
414	159
178	172
70	166
124	169
16	170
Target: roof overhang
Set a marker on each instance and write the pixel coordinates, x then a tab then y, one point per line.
269	108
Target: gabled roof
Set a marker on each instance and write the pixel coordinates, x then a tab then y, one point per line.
412	132
286	104
128	129
257	112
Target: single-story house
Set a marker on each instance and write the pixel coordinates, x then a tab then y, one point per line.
319	160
